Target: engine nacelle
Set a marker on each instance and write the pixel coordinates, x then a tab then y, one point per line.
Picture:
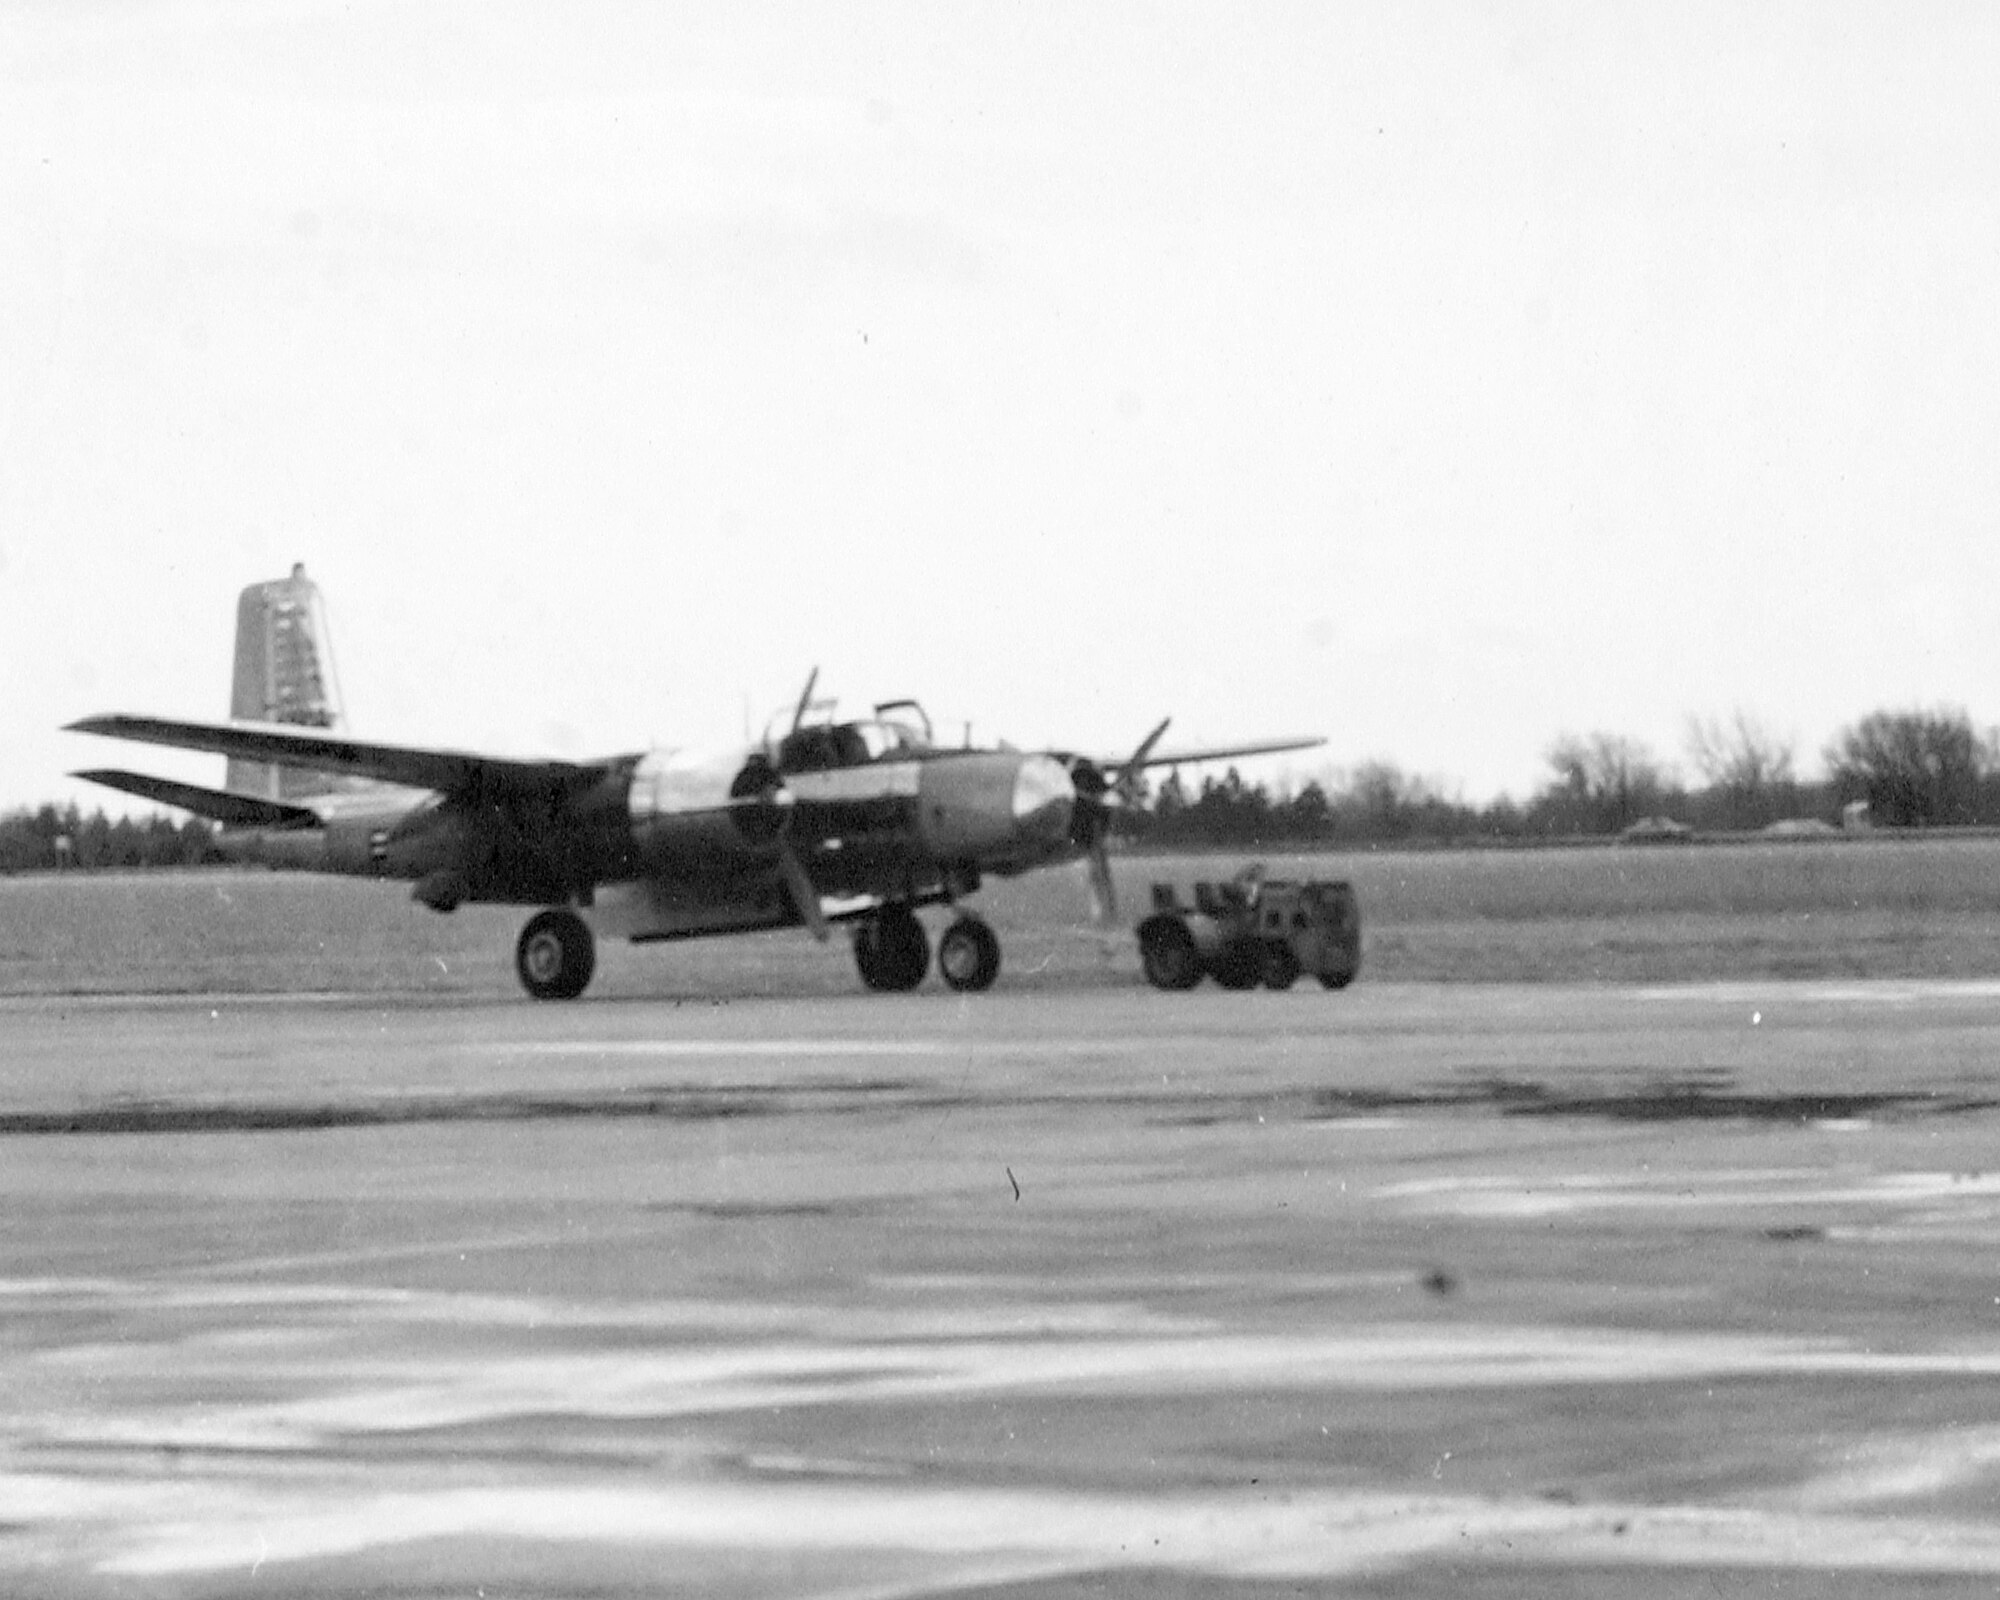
694	813
526	849
1000	809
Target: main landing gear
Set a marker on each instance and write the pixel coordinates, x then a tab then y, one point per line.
556	955
893	952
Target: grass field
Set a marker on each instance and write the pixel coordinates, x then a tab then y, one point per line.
1883	907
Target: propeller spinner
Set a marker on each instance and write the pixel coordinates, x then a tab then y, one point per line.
1098	796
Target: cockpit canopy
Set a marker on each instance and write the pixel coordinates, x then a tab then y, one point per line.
818	740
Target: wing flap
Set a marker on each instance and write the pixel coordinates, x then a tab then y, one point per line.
450	771
231	810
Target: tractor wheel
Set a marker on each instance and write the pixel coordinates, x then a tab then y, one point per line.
1239	964
1280	965
1168	954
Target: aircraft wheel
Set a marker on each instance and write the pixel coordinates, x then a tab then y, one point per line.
1167	952
892	950
556	955
1239	964
968	956
1280	966
1337	980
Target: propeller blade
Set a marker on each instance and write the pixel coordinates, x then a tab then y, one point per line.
805	699
761	807
800	886
1127	782
1098	795
1103	892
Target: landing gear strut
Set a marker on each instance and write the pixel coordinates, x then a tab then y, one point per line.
969	955
556	955
892	950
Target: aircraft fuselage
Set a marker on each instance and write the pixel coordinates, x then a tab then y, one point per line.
911	827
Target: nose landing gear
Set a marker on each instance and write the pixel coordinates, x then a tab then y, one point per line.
969	955
556	955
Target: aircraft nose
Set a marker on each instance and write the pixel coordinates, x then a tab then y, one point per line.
1043	796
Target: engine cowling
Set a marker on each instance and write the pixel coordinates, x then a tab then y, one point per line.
693	813
1000	809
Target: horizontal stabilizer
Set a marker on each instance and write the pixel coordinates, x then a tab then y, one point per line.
231	810
450	771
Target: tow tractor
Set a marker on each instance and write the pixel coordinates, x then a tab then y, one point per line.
1253	930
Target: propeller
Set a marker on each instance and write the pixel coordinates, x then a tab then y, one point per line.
805	699
798	884
1098	795
761	807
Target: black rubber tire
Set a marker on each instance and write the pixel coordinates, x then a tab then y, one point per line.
1167	953
891	950
1239	964
556	955
1337	980
1280	968
968	956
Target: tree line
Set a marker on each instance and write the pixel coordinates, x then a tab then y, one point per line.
1904	769
1894	769
51	837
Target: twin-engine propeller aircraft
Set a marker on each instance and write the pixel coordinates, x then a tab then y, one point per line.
861	821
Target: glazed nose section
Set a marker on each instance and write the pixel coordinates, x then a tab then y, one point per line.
1043	798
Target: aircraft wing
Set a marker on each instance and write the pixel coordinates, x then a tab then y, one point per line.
1223	752
288	745
232	810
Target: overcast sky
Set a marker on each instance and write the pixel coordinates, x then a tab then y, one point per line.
1437	378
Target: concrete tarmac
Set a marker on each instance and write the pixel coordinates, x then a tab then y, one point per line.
1495	1290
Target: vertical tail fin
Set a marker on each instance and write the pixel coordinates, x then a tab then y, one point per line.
284	673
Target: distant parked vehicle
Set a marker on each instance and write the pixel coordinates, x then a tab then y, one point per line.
1658	830
1252	930
1801	828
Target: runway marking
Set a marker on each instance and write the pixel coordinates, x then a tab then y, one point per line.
212	999
1676	1190
806	1048
435	1390
1907	1467
680	1048
156	1510
1874	991
1019	1315
928	1538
